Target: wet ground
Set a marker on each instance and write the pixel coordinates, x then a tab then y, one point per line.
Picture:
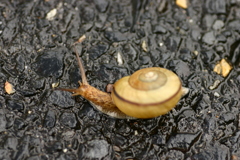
37	122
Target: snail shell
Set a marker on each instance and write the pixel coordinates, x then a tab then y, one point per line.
147	93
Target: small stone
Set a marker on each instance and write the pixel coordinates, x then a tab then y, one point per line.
172	43
209	38
68	119
95	149
19	124
218	24
98	50
50	119
221	38
68	134
101	5
182	141
15	105
227	117
3	121
38	83
50	63
212	151
11	143
158	29
115	36
61	99
196	34
50	16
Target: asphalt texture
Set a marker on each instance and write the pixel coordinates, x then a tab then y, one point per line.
36	53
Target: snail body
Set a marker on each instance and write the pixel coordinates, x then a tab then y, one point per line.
147	93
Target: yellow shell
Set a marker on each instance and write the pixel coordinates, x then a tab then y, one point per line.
147	93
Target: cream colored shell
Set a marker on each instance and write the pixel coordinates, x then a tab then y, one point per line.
147	93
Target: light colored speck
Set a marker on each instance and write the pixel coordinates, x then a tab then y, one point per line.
215	84
119	58
160	44
54	85
196	52
135	132
51	14
216	94
65	150
144	46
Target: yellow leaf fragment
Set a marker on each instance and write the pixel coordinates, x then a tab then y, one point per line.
182	3
223	68
9	88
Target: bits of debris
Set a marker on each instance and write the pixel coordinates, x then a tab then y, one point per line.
9	88
144	46
50	16
196	52
81	39
119	59
182	3
223	68
54	85
215	84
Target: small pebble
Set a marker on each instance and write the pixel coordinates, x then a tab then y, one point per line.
209	38
218	24
50	16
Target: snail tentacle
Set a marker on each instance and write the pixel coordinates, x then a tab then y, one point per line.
82	71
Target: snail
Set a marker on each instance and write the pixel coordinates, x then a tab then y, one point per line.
147	93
